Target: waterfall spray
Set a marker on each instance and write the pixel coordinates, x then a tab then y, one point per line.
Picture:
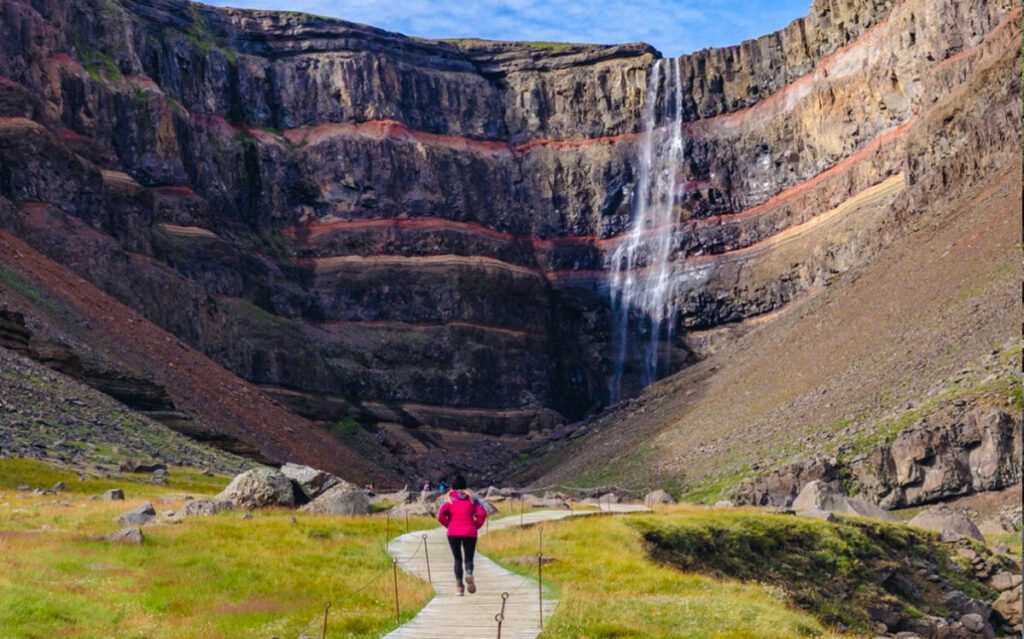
642	297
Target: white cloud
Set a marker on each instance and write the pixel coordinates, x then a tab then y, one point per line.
673	26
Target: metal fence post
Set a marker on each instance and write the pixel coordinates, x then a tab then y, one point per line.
426	553
398	610
540	574
327	609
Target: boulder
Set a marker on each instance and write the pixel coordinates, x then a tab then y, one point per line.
819	495
342	499
973	622
158	477
1007	607
658	497
138	516
951	524
964	604
135	467
493	491
553	503
114	494
1004	581
309	482
206	507
489	508
259	488
724	503
131	536
411	509
59	487
780	487
994	526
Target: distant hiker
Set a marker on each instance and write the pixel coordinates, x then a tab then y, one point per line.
442	487
463	515
426	487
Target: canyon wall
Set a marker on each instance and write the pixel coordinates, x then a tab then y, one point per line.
414	234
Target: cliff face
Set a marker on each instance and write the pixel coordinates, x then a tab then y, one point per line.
415	234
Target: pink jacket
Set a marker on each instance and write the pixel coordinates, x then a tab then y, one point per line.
462	515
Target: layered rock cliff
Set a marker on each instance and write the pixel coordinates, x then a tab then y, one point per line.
415	234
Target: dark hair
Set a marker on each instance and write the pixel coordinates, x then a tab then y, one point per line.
459	483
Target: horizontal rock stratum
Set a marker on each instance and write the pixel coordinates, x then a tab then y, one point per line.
340	223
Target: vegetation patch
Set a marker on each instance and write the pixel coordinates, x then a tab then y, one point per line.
839	571
608	585
345	428
39	474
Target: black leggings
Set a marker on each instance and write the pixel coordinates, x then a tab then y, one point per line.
462	546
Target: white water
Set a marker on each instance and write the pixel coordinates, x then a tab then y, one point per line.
642	300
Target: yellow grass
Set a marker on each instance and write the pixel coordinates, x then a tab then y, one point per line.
209	577
609	587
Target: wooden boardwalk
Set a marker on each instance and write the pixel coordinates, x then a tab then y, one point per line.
472	616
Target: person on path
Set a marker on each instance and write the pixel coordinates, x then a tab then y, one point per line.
463	515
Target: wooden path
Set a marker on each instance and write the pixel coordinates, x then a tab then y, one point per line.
472	616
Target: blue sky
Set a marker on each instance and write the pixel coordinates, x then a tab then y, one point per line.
673	26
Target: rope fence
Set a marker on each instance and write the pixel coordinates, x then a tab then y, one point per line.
322	621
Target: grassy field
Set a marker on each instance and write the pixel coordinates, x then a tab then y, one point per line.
619	591
688	571
37	474
212	577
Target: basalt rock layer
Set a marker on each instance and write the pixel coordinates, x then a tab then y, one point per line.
415	234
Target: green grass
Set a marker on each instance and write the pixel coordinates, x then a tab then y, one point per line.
609	586
23	287
37	474
345	428
829	569
1013	541
697	572
210	577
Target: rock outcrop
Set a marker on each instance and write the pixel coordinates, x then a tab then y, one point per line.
962	448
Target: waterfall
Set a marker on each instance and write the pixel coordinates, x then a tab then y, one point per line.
642	300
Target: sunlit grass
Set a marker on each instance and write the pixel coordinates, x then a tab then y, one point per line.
609	587
210	577
37	474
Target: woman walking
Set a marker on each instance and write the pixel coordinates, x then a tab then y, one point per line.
463	515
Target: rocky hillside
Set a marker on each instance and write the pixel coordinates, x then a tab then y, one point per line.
347	225
48	416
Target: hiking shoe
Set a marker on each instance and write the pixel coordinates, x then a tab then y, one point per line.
460	590
470	584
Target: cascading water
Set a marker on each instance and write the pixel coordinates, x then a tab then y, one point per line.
642	300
